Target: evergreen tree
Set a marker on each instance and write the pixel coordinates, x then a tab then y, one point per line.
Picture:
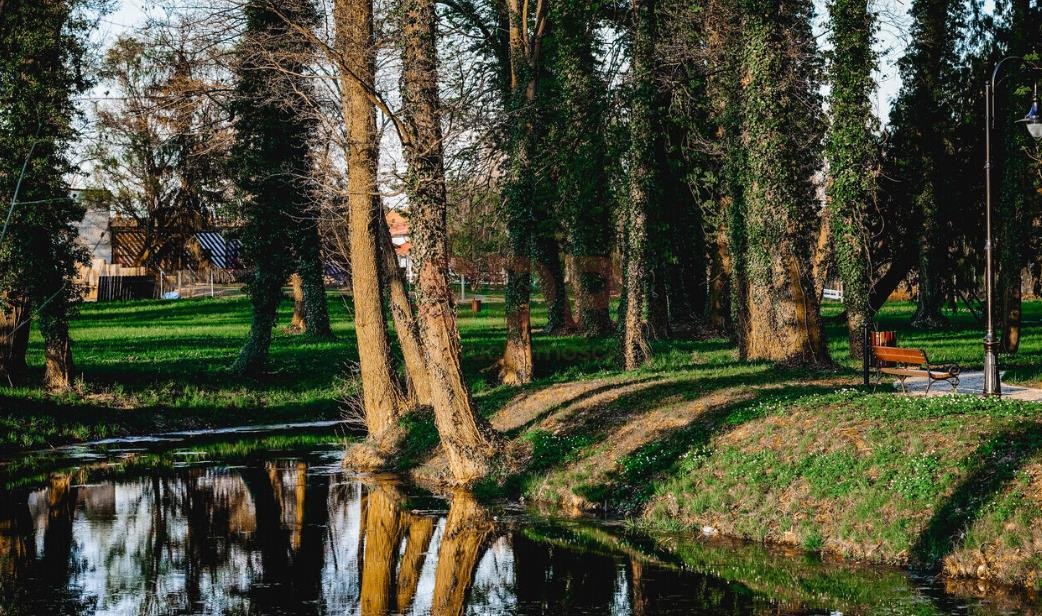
850	150
42	56
1016	199
271	163
919	117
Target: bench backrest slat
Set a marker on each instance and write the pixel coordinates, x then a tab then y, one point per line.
900	355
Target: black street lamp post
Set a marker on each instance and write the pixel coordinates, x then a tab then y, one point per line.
992	381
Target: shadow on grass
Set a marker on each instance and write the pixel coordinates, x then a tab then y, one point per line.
634	484
991	467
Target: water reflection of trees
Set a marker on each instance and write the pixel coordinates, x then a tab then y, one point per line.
281	538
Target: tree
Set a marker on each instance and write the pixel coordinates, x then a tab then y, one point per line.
636	348
162	140
781	137
919	114
850	151
270	159
1018	202
577	145
526	30
43	50
467	439
382	398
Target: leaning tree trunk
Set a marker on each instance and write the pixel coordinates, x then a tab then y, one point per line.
382	399
14	341
635	320
781	119
467	439
405	327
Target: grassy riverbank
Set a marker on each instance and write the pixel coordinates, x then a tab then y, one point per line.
697	439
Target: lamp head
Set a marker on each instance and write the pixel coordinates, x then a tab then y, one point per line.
1033	120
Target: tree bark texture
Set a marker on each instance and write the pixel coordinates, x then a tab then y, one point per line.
516	367
467	439
381	397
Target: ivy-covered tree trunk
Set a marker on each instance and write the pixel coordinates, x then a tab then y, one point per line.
312	281
782	130
728	289
419	379
580	151
550	269
270	157
636	349
850	151
382	399
1018	200
516	367
15	319
467	439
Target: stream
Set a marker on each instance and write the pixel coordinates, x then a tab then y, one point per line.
268	526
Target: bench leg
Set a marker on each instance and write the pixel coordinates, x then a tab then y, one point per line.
929	384
904	389
954	383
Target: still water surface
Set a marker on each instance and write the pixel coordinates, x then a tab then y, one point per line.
296	534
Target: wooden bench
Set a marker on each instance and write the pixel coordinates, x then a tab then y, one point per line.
912	362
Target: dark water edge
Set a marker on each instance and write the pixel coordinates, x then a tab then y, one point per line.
275	525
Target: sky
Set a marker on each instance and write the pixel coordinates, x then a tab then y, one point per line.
894	24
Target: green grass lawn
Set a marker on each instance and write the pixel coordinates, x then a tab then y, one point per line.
152	366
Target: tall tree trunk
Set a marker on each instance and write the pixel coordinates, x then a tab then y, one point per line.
782	117
516	367
579	126
467	439
850	149
14	340
419	380
935	38
265	290
636	349
381	397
